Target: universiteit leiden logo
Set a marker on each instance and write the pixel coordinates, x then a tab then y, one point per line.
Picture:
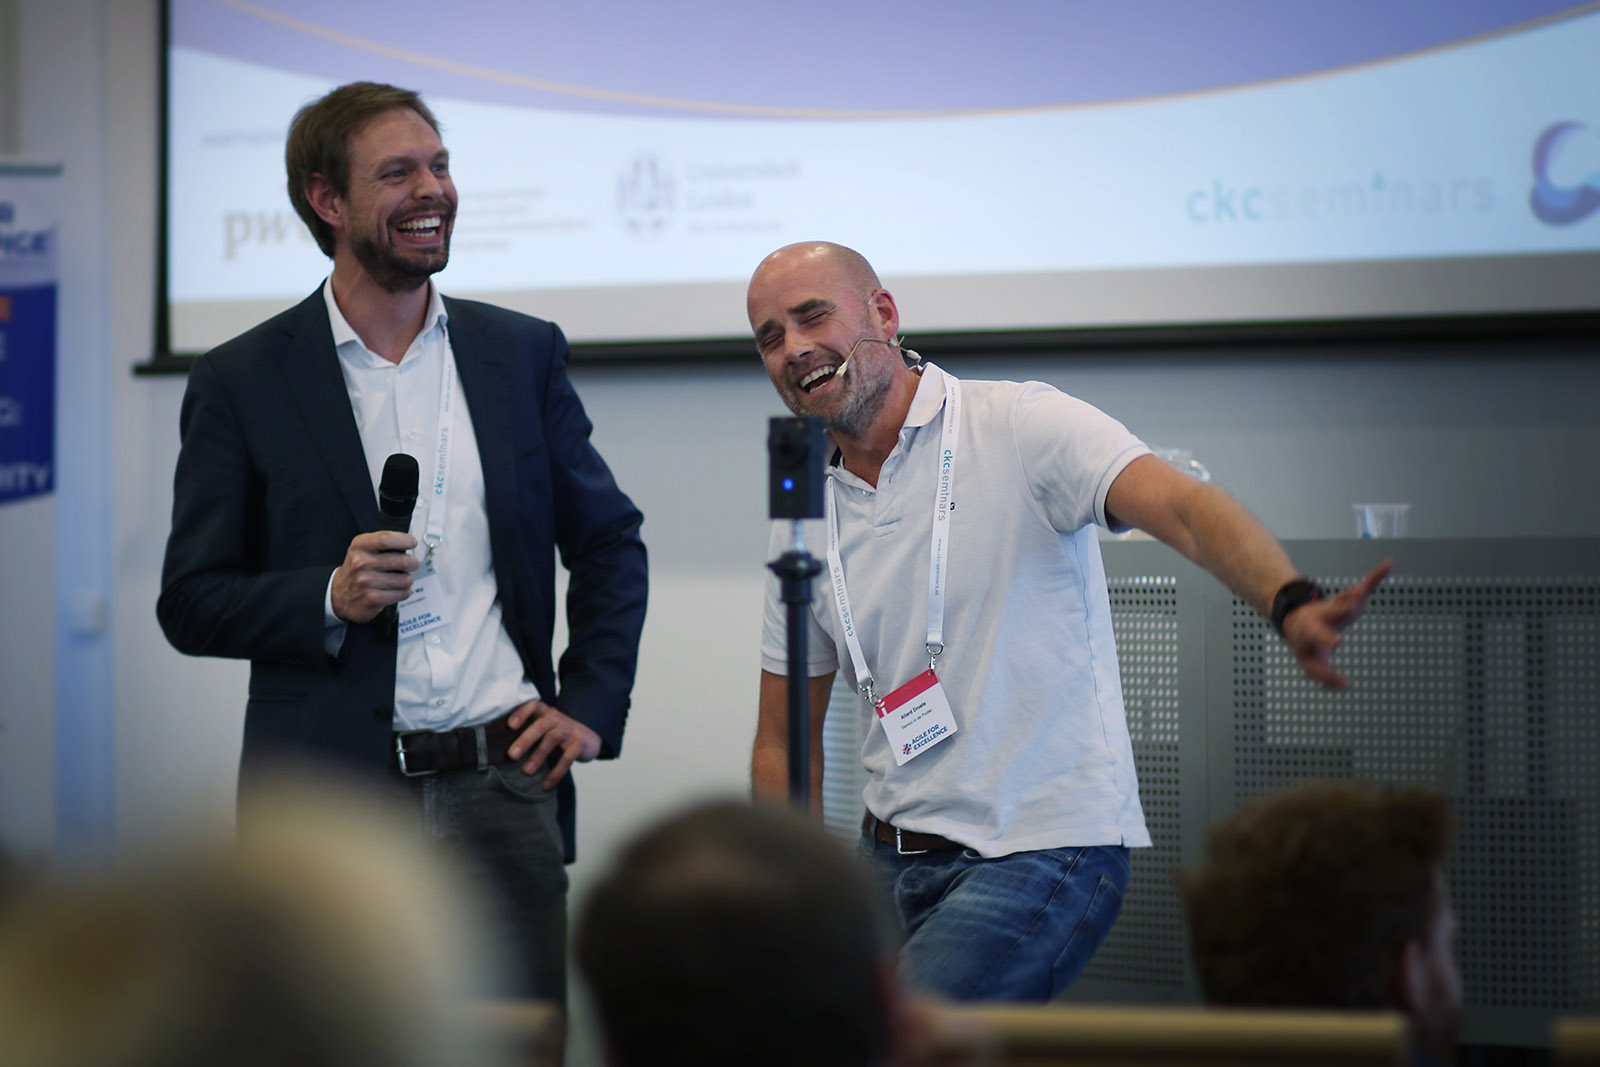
1556	148
646	195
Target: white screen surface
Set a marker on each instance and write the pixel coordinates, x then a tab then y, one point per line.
1053	164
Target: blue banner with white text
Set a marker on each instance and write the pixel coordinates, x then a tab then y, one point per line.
28	240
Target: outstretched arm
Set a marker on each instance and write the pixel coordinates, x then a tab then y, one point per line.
1209	527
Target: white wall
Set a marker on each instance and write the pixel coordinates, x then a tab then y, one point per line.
27	684
61	73
1488	440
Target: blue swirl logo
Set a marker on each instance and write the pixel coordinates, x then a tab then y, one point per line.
1562	205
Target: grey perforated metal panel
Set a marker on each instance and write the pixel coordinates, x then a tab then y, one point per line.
1146	944
1483	687
1401	723
1476	669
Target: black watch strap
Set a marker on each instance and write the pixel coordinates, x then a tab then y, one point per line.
1294	594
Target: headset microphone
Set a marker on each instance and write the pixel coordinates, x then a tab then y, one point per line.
892	343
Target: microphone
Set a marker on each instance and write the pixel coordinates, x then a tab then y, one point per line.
844	365
397	498
397	490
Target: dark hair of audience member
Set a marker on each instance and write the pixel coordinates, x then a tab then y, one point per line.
1305	897
734	934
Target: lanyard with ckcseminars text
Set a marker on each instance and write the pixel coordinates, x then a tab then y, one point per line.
917	715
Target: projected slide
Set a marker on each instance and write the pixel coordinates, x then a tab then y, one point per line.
622	166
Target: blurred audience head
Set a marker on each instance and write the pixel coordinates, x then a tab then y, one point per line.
1331	895
326	939
737	934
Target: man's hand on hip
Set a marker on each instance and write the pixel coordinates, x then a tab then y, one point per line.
548	731
376	573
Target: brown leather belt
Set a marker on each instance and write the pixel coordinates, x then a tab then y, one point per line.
906	842
419	752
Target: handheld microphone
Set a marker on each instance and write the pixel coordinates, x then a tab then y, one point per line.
397	490
397	498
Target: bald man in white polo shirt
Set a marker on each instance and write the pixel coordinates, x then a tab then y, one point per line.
962	551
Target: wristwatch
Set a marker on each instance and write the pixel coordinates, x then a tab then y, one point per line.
1295	593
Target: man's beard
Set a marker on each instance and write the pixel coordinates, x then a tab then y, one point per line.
860	405
864	390
393	272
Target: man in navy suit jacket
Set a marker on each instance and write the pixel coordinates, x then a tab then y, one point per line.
428	672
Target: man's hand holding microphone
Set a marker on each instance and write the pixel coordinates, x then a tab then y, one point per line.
376	572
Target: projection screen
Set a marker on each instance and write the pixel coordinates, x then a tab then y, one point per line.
1047	165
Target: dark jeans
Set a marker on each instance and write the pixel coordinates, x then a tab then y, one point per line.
501	826
1016	928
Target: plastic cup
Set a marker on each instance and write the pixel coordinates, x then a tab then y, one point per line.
1183	459
1381	520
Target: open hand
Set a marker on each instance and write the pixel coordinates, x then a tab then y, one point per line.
1314	630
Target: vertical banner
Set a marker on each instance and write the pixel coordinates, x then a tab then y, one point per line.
28	265
28	240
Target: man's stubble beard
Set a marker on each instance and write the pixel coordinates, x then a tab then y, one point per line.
862	402
394	273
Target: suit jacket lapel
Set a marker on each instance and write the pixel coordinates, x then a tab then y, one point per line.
311	366
486	382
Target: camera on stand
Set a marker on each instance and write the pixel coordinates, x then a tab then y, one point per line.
795	447
795	451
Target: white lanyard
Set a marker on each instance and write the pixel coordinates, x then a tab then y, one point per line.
427	608
441	456
938	551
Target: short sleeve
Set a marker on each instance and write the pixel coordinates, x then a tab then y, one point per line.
1071	452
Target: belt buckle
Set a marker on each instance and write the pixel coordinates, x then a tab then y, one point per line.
400	754
900	848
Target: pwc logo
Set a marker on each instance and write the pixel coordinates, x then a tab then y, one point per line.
1566	174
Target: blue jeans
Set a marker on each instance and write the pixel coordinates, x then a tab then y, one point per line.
1016	928
500	825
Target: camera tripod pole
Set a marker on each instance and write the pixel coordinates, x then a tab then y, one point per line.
796	568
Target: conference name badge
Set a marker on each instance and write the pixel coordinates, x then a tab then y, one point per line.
417	615
916	717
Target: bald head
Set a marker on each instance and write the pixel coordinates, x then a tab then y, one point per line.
811	305
821	260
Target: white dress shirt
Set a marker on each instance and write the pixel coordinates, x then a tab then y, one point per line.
466	671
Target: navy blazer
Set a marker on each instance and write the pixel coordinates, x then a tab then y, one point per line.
272	484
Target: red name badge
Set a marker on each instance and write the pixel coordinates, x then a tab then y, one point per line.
916	717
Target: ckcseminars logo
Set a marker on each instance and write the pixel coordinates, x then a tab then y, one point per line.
1374	197
946	461
1570	151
